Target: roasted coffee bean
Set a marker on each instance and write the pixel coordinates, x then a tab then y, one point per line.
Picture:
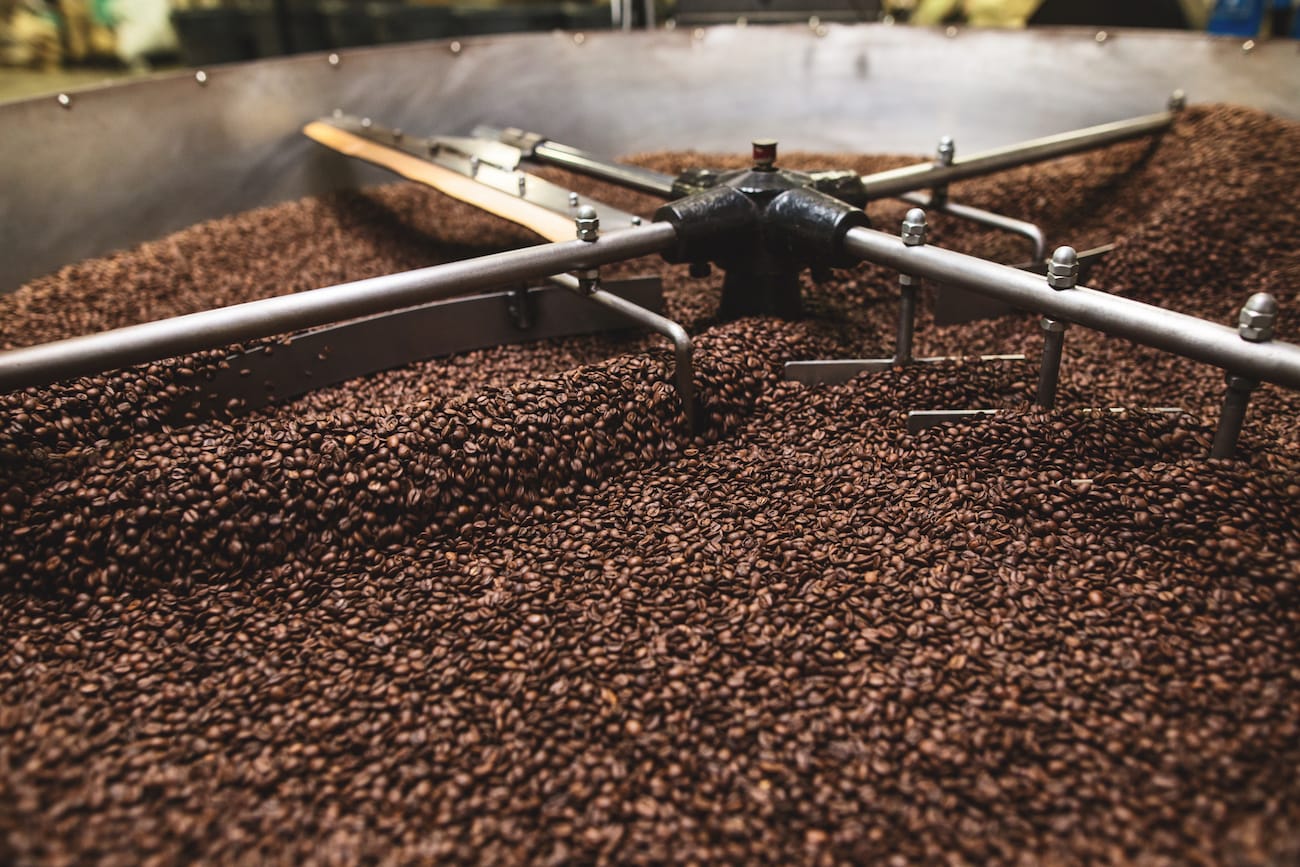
504	608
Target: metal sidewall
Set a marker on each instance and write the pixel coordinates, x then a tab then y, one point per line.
127	163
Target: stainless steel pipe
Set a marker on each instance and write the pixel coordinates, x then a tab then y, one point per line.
925	175
211	329
683	345
1023	228
645	180
1168	330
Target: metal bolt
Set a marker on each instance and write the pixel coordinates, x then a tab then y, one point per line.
1248	46
523	184
587	223
1257	318
1101	37
455	46
1063	270
914	228
588	280
579	38
764	150
366	123
946	151
1177	101
473	166
64	100
333	59
951	32
636	221
913	235
573	200
201	77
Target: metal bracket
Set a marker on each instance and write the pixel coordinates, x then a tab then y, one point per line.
923	419
337	353
490	163
520	307
833	372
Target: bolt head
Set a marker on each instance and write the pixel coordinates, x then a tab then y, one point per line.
1257	318
946	151
587	223
1063	270
1177	101
914	228
764	150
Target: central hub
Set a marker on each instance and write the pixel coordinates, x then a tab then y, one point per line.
763	226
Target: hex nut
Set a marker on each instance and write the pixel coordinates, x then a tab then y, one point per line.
1257	318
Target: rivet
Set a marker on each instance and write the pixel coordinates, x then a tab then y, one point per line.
951	32
1248	46
455	46
1101	36
333	59
579	38
64	100
201	77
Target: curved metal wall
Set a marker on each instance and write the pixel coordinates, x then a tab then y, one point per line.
125	163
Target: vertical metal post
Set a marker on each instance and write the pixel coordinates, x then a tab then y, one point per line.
1255	324
587	224
913	234
1233	415
1062	273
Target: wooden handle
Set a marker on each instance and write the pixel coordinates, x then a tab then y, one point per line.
548	224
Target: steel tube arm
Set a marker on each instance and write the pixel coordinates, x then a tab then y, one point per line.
683	346
211	329
645	180
1194	338
1023	228
536	146
901	180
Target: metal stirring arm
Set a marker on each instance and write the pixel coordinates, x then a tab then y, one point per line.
683	346
269	317
1157	327
1025	229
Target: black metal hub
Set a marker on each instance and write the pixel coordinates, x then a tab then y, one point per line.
763	226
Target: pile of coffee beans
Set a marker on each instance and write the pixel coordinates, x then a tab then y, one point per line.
505	607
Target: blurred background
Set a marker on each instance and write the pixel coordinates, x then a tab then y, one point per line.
50	45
